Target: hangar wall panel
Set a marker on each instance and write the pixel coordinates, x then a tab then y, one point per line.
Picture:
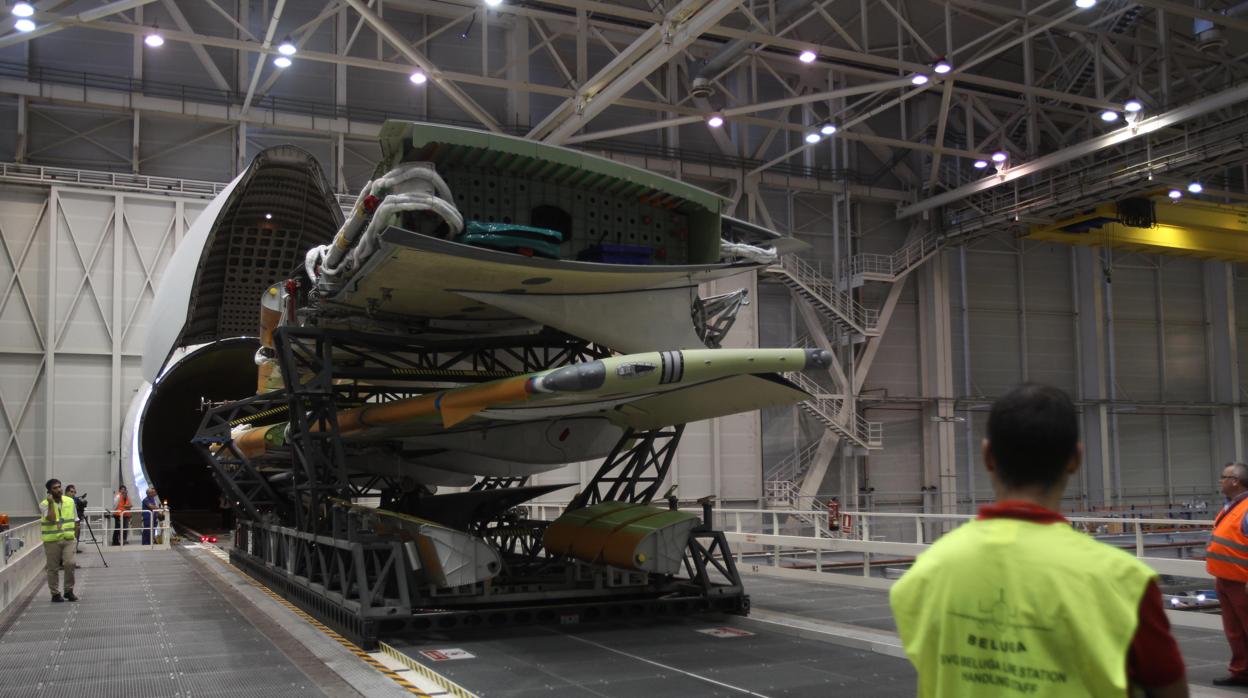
1019	323
72	328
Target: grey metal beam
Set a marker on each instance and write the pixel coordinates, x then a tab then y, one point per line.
458	96
678	29
1223	358
200	52
56	24
1123	134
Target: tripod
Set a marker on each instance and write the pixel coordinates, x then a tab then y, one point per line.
90	530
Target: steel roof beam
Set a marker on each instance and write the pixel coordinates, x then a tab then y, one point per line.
1202	106
56	24
457	95
658	44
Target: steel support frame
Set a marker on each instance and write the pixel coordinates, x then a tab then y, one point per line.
635	468
1223	356
1095	373
939	472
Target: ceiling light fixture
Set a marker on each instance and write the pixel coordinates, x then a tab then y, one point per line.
828	129
813	138
1195	188
286	48
493	3
1109	116
418	77
23	9
282	62
942	66
153	38
999	156
1133	105
807	56
25	25
268	216
1175	194
980	164
1084	4
918	79
714	121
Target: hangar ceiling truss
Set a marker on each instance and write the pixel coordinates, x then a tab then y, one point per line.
1027	80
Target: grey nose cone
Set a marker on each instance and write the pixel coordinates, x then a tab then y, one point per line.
818	358
587	376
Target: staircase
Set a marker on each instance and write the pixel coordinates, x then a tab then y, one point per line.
783	494
791	469
860	268
864	434
806	281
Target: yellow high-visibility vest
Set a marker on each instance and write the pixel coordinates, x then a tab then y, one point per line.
1010	607
66	521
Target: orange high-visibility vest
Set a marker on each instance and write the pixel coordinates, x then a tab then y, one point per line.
1226	556
123	504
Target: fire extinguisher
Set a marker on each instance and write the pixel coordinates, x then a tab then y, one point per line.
834	515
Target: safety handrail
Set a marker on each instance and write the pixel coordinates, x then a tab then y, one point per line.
797	463
842	304
103	525
897	263
853	426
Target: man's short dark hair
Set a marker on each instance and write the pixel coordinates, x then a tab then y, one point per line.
48	485
1033	432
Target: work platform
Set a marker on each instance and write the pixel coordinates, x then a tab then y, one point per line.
185	623
171	623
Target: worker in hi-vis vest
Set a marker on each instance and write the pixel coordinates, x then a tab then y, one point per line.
58	519
1226	558
1017	602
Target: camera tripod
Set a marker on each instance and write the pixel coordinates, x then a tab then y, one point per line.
90	530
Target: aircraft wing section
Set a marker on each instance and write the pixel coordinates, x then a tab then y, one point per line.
420	276
629	321
708	400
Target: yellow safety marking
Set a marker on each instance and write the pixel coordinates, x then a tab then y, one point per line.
259	415
444	683
351	646
451	372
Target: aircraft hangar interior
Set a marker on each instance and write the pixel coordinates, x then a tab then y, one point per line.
512	348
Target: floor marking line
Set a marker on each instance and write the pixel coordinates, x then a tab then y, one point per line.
356	649
664	666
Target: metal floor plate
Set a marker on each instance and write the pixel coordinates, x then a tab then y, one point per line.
149	626
658	658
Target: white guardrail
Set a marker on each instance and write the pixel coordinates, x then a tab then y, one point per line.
21	547
21	560
764	539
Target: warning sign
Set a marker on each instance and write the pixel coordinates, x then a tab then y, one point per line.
725	632
444	655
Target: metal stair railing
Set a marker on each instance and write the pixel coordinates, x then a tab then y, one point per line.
863	433
822	292
787	496
895	265
793	467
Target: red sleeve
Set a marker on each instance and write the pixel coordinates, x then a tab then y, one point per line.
1153	659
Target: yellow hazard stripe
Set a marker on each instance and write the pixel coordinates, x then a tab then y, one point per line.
452	372
259	415
442	682
350	646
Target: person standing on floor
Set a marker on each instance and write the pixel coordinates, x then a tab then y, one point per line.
1002	605
121	515
57	522
151	516
80	504
1226	558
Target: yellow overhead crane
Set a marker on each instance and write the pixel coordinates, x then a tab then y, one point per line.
1186	227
